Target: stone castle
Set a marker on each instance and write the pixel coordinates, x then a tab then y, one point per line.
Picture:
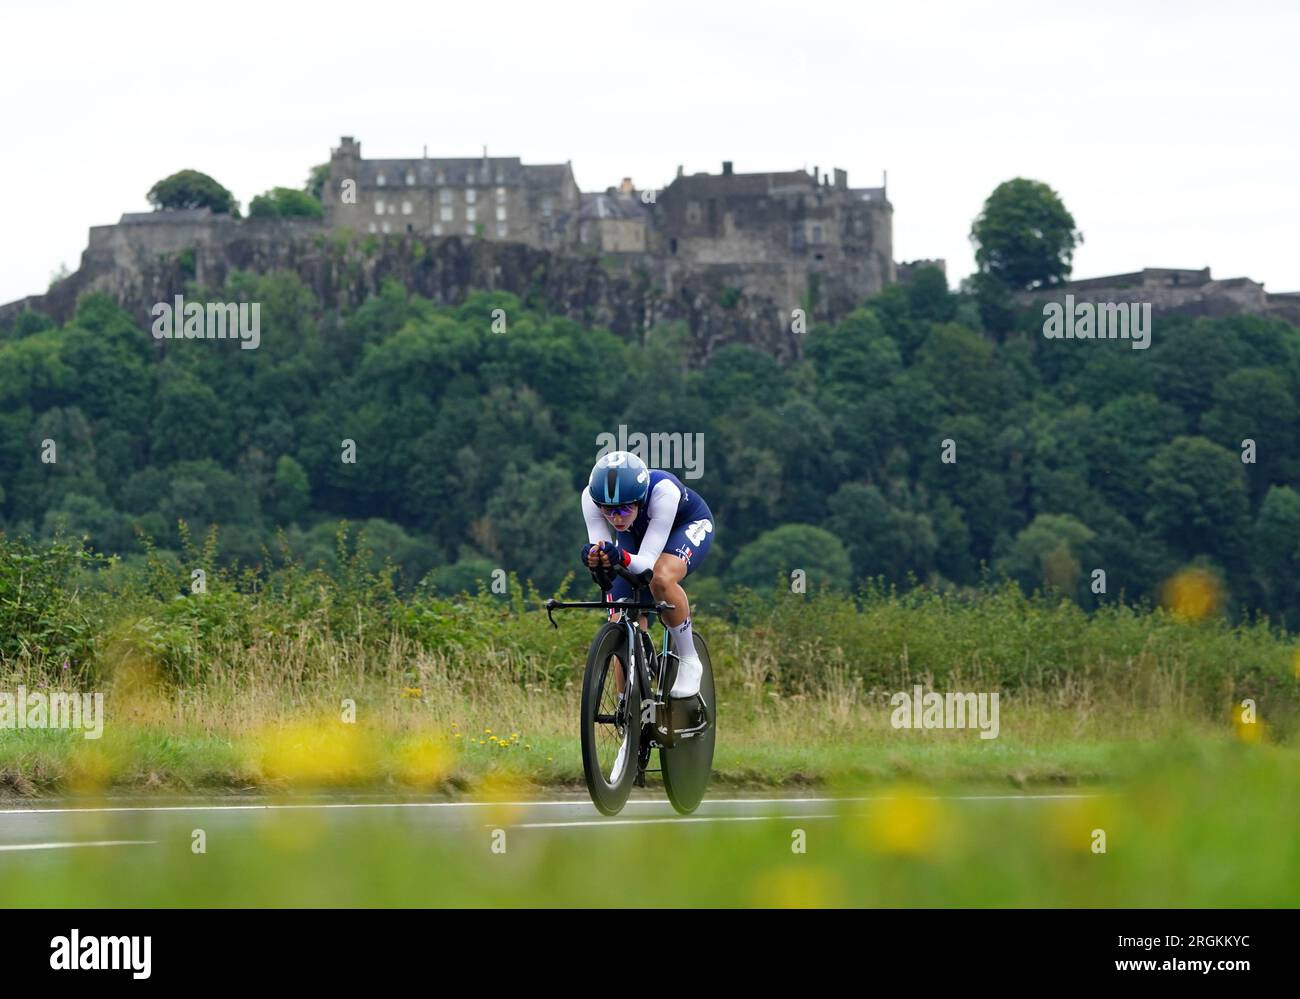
782	235
729	254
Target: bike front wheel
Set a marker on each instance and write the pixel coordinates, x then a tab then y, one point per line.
611	729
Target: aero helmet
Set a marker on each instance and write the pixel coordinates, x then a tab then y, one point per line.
617	478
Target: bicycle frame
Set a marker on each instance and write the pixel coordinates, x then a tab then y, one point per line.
665	734
631	612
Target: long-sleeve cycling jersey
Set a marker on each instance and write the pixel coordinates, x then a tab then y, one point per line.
668	505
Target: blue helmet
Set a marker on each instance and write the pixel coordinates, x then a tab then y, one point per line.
617	478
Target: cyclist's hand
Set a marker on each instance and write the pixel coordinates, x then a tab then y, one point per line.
591	556
612	554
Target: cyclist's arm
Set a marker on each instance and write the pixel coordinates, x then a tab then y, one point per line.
598	528
662	511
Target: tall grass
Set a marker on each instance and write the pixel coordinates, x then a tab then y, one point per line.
804	681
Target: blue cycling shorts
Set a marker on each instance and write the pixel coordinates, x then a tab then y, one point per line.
690	541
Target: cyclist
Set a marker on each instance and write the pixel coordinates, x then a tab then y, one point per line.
659	525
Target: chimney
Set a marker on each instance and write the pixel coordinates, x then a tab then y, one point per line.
726	168
679	169
627	187
816	175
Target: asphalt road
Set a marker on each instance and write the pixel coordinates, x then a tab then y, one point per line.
139	824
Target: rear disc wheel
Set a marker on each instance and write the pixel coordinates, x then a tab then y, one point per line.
688	766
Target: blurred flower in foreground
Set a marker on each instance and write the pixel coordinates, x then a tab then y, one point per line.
1192	594
502	790
314	753
1073	824
1246	725
425	762
90	769
796	888
905	823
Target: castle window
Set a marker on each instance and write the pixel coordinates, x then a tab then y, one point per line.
471	196
501	213
379	206
380	180
548	206
502	229
386	228
410	178
471	213
406	208
469	230
500	177
817	234
692	212
469	179
442	177
437	228
446	212
444	196
373	227
501	195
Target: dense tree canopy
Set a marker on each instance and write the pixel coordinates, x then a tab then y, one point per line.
907	442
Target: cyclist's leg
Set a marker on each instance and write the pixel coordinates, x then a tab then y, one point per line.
688	545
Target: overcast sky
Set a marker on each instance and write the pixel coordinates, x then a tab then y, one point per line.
1169	129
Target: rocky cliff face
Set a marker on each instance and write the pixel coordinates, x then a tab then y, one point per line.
145	262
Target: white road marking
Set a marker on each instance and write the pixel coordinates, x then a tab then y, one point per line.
69	846
521	804
604	823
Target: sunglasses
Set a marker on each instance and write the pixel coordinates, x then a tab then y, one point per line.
618	511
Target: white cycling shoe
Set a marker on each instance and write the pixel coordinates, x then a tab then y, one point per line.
617	773
689	673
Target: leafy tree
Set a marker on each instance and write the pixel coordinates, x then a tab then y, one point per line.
928	297
316	181
1256	404
468	575
1275	554
544	497
779	552
285	202
1198	502
192	189
881	539
291	491
1025	237
1047	554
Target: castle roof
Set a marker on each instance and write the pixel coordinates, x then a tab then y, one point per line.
611	206
744	184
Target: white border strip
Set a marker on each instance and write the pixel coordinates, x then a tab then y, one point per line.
68	846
